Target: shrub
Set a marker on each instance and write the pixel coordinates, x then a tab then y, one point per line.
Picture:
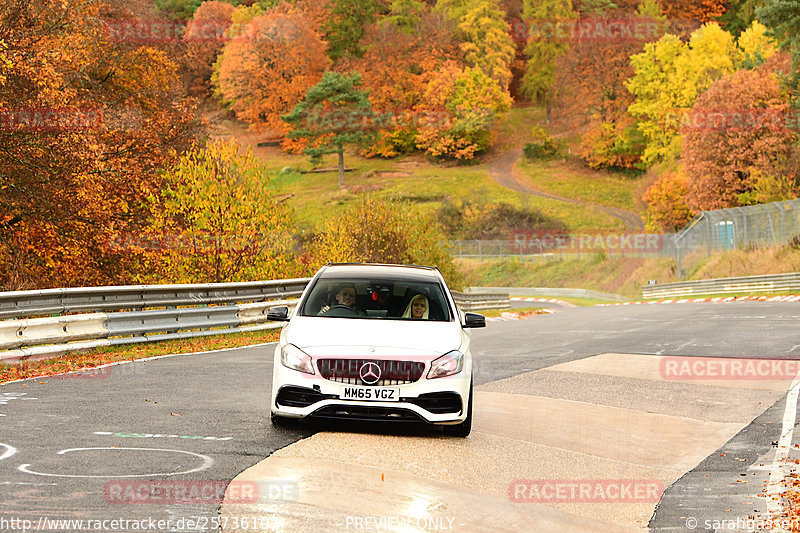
474	220
378	231
542	147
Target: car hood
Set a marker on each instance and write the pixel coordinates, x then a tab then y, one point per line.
354	337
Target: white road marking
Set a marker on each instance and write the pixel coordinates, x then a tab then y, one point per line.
207	463
5	483
10	450
158	436
777	473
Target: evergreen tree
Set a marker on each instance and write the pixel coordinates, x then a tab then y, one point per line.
333	113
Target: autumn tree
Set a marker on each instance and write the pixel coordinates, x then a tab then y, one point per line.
484	36
205	36
591	80
89	120
473	103
264	71
376	231
738	127
217	221
668	77
397	67
667	208
782	18
756	46
696	10
345	25
406	15
740	15
487	42
333	114
543	18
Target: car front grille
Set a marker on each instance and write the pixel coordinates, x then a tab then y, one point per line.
391	372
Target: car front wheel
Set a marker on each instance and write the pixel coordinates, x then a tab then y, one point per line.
283	421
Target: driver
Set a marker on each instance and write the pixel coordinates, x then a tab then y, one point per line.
346	297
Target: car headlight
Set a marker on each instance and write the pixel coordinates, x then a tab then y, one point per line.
296	359
447	365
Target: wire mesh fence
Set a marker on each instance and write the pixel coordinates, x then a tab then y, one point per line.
711	232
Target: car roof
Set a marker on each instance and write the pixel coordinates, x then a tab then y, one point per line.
379	271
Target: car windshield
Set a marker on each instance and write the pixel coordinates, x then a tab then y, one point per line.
377	299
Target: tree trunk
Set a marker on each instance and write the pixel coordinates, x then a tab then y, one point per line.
341	165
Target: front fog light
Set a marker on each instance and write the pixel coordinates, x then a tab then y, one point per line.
296	359
447	365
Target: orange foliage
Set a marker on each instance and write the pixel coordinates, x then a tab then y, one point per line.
736	131
204	37
397	68
267	69
666	199
694	10
87	125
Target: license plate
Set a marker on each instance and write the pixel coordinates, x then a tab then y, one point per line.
370	394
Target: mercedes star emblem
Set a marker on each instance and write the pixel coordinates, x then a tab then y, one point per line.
370	373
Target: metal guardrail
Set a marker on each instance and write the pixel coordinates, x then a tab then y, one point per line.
36	338
45	302
148	313
468	301
771	283
551	292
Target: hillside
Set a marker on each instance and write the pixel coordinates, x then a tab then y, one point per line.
565	193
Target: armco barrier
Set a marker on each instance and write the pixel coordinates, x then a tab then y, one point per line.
148	313
478	301
36	338
18	304
772	283
558	292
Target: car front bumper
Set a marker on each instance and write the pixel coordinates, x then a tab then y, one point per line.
434	401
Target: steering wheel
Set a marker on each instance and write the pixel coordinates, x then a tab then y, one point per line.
342	311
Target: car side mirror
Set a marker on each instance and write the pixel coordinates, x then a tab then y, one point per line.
474	320
278	314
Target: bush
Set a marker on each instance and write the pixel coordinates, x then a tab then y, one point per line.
610	146
216	221
473	220
383	232
542	147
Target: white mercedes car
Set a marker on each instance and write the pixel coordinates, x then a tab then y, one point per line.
375	342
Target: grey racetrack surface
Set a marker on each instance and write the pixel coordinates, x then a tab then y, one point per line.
214	406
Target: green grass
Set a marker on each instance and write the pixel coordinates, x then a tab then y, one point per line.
724	295
569	181
515	130
580	302
316	197
494	313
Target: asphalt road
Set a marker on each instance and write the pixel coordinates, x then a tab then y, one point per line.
67	444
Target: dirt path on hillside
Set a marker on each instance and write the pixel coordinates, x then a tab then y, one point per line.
502	171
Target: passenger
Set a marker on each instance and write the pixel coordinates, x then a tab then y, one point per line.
417	308
345	297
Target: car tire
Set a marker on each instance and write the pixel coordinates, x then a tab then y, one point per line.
464	428
282	421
